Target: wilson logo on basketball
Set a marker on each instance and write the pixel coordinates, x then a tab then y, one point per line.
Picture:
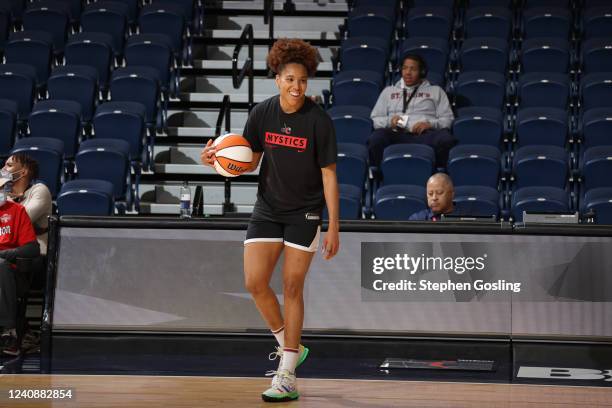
231	166
276	139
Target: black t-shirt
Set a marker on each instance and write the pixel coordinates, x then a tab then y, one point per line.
296	146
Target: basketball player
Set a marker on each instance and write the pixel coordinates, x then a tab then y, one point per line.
297	179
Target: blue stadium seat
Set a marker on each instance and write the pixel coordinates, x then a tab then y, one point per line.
187	8
106	159
155	51
107	17
357	87
596	167
596	127
167	20
350	202
124	121
429	21
370	22
390	4
471	165
484	54
488	22
407	164
433	50
8	128
57	119
5	25
480	88
434	3
565	4
75	83
479	125
597	55
17	83
75	7
32	48
138	84
539	199
50	16
399	202
94	50
132	9
490	3
49	153
596	90
547	22
476	201
540	166
86	197
597	22
545	55
542	126
586	4
599	201
364	54
352	164
16	8
352	123
544	89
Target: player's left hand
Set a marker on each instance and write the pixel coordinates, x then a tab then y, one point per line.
420	127
331	243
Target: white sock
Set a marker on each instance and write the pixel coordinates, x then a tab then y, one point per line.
279	334
290	358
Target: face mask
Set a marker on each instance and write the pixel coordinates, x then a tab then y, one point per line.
5	174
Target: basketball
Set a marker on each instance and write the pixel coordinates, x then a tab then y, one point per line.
233	155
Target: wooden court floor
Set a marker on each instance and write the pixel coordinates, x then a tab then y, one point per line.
183	392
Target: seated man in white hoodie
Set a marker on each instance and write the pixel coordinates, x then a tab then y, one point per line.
412	111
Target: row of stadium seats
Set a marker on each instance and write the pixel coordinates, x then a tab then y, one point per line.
484	88
97	159
170	18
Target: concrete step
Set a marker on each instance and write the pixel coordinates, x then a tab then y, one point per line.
264	34
281	23
220	57
212	88
201	123
300	5
182	159
163	198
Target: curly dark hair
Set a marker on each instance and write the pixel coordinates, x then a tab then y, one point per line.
293	51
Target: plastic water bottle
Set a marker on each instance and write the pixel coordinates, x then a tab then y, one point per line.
185	201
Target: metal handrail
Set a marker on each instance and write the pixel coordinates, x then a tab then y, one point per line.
269	20
225	113
247	68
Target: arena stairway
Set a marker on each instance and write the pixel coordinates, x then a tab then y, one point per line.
193	113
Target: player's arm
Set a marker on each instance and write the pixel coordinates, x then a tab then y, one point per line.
331	243
28	250
254	162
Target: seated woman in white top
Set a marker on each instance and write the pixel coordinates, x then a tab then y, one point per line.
36	197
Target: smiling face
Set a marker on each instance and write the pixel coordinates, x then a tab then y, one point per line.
411	72
292	82
440	194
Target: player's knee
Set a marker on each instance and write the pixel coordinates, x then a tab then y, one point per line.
255	286
293	288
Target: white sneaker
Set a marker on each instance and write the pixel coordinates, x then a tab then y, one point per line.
284	387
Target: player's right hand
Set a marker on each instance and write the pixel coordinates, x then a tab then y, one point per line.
207	157
394	121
